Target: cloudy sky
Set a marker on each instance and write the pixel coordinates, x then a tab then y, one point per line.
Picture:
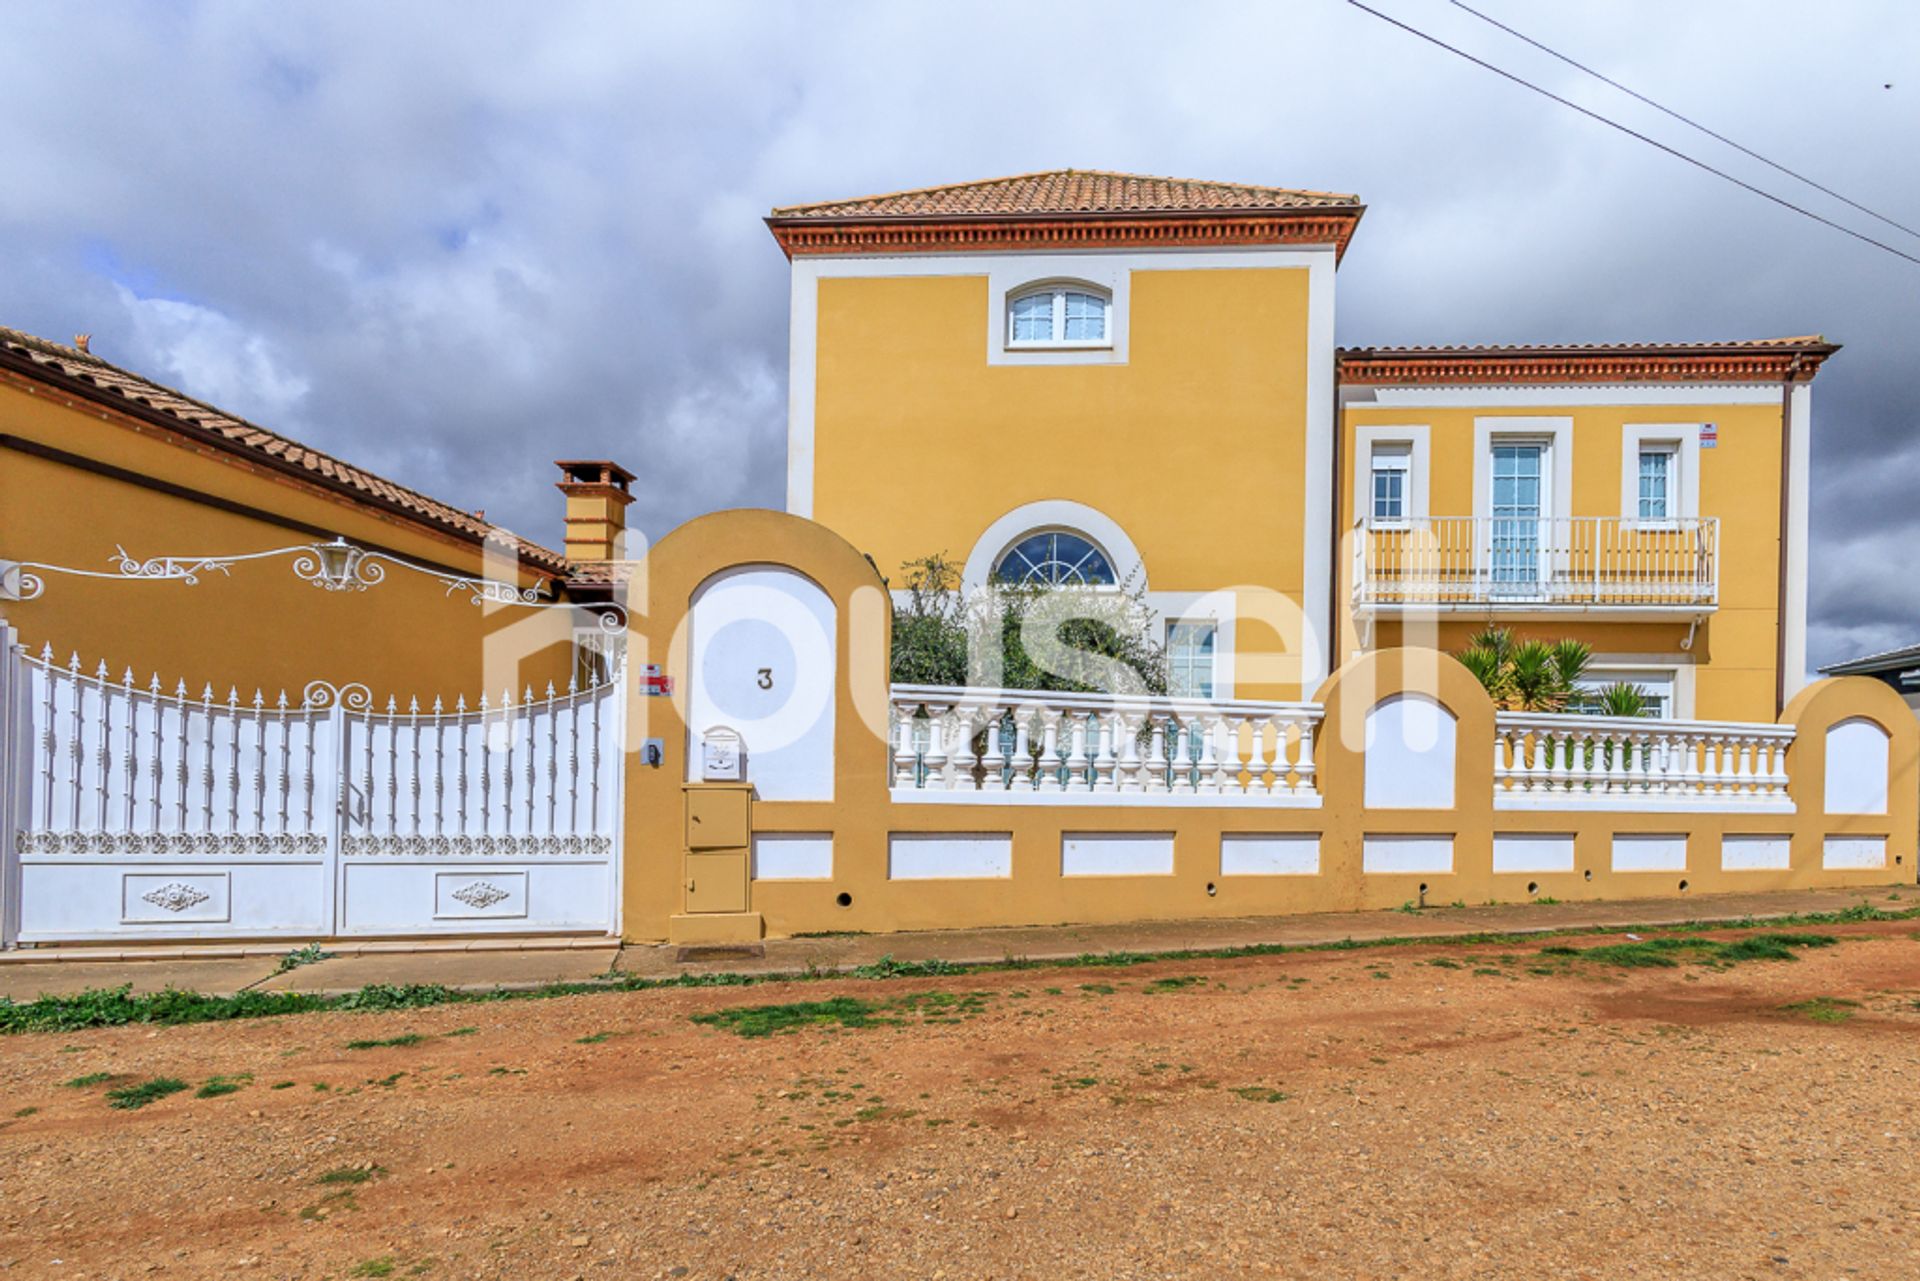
454	241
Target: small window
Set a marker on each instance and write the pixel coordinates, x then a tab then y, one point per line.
1656	692
1059	316
1055	558
1656	482
1190	649
1392	465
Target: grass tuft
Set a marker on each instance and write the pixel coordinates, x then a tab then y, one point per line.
390	1042
1824	1009
218	1085
129	1097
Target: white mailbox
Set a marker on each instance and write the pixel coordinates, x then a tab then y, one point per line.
722	758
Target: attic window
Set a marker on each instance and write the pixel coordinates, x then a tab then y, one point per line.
1059	316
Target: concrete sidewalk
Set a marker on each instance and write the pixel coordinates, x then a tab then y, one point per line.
485	965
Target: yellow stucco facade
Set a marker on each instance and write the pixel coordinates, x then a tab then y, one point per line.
1730	650
78	481
1196	448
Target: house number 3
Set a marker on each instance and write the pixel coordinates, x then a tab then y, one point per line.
766	678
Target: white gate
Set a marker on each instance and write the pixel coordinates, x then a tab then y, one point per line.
131	812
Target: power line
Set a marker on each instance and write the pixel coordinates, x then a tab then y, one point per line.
1634	133
1690	123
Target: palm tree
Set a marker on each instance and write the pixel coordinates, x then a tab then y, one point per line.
1622	699
1528	676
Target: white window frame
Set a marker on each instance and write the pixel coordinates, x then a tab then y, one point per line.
1059	289
1412	440
1683	474
1670	450
1652	669
1388	460
1213	657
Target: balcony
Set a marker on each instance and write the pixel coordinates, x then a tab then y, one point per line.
1591	565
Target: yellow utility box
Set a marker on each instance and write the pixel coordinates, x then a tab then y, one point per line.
718	866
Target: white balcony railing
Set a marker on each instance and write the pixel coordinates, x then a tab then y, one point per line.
1020	745
1606	762
1563	560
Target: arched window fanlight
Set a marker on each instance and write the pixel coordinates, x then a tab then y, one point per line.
1058	316
1055	558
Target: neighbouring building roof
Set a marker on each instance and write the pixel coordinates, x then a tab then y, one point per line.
88	374
1067	208
1751	361
1886	661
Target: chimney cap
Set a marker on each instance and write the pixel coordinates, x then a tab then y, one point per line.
595	471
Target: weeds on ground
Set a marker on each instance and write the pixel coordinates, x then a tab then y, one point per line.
216	1086
1666	953
311	954
380	1267
1824	1009
349	1175
386	1043
129	1097
1261	1094
113	1007
89	1080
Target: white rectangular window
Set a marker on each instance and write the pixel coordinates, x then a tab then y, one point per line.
1656	482
1392	466
1655	689
1190	649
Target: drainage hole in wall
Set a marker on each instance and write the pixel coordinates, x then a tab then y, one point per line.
1533	887
1589	874
844	899
1212	889
1423	887
1683	887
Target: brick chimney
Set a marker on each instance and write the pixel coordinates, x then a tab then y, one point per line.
597	501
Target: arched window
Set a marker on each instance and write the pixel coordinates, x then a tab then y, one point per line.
1055	558
1059	316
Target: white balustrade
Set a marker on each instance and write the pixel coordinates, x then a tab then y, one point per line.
1021	746
1564	560
1561	761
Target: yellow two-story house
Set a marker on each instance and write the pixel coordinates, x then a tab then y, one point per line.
1086	377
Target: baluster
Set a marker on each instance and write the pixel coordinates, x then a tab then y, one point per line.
77	749
233	759
1156	764
1777	769
1256	762
1303	757
552	712
486	765
1023	759
1050	760
905	762
573	758
1535	742
286	761
1714	764
1077	751
962	757
533	750
506	768
1106	761
993	764
1503	749
1129	766
1183	781
183	714
206	759
465	729
1227	767
103	754
129	751
934	758
309	723
1617	762
607	694
1745	778
1560	749
155	771
259	762
1208	782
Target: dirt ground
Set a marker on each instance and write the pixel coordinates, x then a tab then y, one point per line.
1489	1111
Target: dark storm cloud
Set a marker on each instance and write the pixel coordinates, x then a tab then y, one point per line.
453	242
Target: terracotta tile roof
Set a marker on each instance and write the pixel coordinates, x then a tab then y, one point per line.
1068	191
1751	360
1068	209
50	361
